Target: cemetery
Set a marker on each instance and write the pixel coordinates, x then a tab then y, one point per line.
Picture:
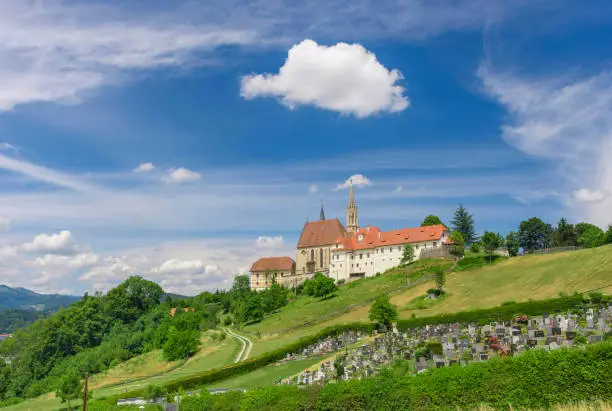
445	345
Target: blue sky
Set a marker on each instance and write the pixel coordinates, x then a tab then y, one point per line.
184	140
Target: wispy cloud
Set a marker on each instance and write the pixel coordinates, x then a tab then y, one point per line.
41	173
564	120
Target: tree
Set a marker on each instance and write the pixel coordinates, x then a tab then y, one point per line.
274	298
432	220
490	242
608	238
590	235
463	222
383	312
181	345
457	248
132	298
534	234
440	276
512	243
564	235
408	255
323	286
70	387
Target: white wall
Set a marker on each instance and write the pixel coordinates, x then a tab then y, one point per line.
372	261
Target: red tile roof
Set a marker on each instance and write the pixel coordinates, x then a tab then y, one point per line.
323	232
373	237
273	264
173	311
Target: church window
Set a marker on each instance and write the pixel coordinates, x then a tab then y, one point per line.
361	256
435	244
311	255
321	256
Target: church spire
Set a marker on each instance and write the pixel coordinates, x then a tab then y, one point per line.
352	219
322	214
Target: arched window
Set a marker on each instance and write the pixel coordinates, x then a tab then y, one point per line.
321	256
311	255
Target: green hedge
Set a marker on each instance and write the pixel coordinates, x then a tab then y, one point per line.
504	312
535	379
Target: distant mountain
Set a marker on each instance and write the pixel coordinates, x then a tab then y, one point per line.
23	299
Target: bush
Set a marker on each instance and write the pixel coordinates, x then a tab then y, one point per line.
519	382
475	247
181	344
341	281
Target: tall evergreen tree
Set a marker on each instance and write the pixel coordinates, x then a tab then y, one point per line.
463	222
564	235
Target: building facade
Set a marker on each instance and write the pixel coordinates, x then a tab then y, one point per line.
369	250
269	270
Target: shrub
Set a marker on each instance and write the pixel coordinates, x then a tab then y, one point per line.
181	344
475	247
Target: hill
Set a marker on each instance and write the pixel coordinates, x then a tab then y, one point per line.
472	283
24	299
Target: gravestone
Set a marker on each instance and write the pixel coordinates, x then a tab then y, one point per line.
539	334
595	338
556	331
570	335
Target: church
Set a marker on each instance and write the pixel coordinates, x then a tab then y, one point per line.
345	252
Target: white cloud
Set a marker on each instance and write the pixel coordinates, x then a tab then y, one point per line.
358	180
53	51
42	173
77	261
144	168
181	175
345	77
178	266
7	147
313	188
584	195
398	189
61	243
264	242
566	121
5	224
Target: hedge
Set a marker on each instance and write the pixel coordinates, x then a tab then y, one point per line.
503	312
537	379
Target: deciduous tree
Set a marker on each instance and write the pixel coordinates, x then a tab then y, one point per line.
534	234
432	220
383	311
490	242
512	243
458	244
590	235
69	388
408	254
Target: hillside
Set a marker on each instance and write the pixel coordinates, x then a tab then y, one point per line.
473	283
469	286
21	298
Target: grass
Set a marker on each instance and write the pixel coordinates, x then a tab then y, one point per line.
474	283
267	375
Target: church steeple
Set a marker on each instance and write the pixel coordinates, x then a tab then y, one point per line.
352	218
322	214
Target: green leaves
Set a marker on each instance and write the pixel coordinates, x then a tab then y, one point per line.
383	311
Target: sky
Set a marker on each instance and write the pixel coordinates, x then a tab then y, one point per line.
183	140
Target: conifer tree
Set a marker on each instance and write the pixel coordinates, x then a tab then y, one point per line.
463	222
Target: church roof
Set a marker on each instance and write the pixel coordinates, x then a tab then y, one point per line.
323	232
273	264
372	237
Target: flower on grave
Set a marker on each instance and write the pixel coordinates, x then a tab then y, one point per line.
524	317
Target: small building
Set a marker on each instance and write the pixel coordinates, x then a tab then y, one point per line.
4	336
187	309
269	270
369	250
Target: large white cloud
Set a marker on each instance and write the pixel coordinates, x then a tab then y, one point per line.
269	243
61	243
584	195
345	77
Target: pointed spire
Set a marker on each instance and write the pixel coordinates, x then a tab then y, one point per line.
322	214
351	202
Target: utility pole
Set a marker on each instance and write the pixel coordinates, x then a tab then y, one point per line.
85	393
